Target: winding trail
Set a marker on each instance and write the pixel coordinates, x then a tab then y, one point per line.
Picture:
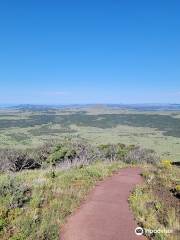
105	215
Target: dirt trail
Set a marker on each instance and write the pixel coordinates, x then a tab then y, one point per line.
105	215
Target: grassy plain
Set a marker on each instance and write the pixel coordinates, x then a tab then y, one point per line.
159	130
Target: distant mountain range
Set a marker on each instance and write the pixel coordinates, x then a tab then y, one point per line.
140	107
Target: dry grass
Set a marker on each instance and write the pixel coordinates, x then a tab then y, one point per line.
49	200
154	204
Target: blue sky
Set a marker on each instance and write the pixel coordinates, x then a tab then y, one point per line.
113	51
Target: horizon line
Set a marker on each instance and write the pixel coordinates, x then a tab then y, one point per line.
67	104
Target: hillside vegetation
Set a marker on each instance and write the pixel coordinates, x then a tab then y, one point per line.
34	204
156	203
72	152
40	188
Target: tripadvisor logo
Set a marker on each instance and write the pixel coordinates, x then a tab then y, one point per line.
139	231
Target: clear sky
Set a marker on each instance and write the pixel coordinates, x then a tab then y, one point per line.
108	51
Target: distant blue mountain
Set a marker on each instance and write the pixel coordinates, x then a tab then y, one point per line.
139	107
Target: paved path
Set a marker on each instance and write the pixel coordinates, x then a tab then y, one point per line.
105	215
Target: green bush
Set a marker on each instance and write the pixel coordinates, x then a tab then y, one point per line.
61	153
14	191
114	151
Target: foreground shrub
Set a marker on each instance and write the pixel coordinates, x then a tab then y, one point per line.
14	191
140	155
17	160
12	160
61	153
114	152
73	153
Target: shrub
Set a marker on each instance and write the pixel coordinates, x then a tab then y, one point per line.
166	164
114	152
61	153
140	155
42	153
13	160
177	188
14	191
16	160
73	152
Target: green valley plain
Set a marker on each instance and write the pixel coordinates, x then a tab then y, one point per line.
154	127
